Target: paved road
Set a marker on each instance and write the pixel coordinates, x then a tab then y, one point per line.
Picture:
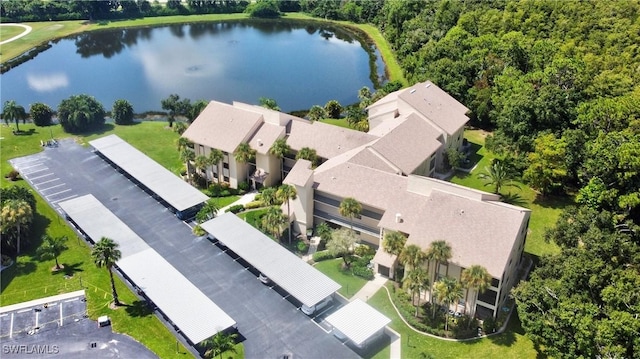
271	325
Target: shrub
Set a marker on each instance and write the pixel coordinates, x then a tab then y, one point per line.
322	256
80	113
236	208
302	246
364	250
253	205
225	193
489	325
243	186
122	112
363	272
41	114
13	175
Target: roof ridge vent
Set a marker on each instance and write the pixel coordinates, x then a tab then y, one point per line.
412	91
427	85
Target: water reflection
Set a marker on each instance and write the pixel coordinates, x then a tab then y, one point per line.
47	82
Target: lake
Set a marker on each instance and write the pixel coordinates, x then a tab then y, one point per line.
297	64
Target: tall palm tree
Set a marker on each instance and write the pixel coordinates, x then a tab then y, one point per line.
439	252
52	247
393	242
286	193
309	154
412	256
13	112
280	149
448	290
497	175
105	254
273	220
220	343
215	158
478	278
244	154
201	162
16	214
350	208
415	282
187	156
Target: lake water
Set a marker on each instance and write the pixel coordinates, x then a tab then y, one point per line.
297	64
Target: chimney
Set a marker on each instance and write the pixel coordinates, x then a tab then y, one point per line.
398	218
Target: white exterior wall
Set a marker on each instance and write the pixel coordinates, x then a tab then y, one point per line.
302	207
271	165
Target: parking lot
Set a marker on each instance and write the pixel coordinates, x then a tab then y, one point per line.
267	318
59	326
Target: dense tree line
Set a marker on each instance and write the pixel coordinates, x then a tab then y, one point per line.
37	10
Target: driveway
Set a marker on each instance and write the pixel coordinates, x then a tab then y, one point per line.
271	325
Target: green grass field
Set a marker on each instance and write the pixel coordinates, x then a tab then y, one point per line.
340	122
511	344
350	283
544	211
7	32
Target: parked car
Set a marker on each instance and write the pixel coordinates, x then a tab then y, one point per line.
264	279
310	310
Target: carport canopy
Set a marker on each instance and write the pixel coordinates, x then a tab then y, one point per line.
182	302
176	192
298	278
358	321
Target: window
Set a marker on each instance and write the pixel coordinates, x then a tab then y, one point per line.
488	296
495	282
225	165
226	178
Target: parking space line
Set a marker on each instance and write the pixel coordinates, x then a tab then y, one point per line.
25	310
36	171
25	167
48	188
37	317
25	160
11	327
41	183
57	193
61	317
63	199
35	178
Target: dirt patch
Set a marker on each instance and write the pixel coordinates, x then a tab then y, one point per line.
54	27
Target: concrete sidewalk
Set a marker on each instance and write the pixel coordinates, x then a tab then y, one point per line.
246	198
370	288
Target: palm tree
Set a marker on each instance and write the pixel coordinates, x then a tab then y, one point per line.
415	282
324	232
308	154
105	253
412	256
478	278
13	112
187	156
273	220
497	175
16	214
220	343
208	211
182	143
393	242
52	247
448	290
286	193
440	252
269	197
244	154
350	207
201	162
215	157
280	149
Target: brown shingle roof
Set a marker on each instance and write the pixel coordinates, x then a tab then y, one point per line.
436	105
299	174
409	144
266	135
223	126
328	140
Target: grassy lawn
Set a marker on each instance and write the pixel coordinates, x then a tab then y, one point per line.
341	122
350	283
545	211
511	344
7	32
253	216
225	201
30	278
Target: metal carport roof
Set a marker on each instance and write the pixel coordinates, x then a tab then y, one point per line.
176	192
182	302
298	278
358	321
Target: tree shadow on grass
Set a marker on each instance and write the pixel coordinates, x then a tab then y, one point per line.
138	309
549	201
68	270
370	351
97	131
17	269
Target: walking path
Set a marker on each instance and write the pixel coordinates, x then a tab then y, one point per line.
246	198
27	29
